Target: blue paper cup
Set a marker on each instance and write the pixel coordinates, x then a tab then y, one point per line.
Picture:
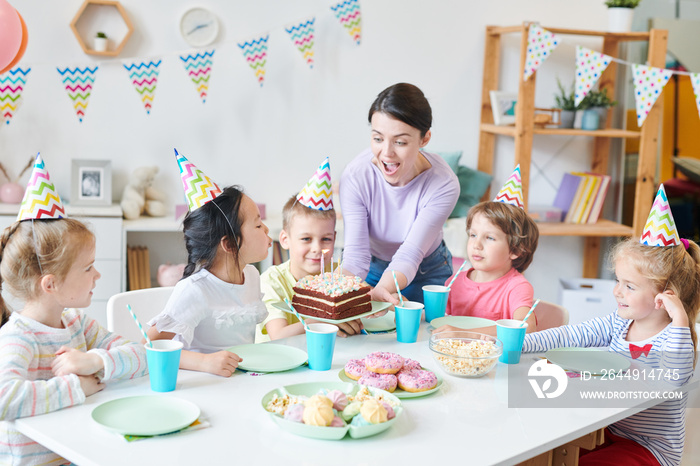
512	333
435	300
320	342
408	321
163	364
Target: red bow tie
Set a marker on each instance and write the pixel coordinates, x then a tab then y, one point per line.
637	351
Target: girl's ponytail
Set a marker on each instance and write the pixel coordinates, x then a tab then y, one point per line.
4	310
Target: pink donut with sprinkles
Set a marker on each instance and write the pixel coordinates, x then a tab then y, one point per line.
384	363
386	382
410	364
355	368
416	380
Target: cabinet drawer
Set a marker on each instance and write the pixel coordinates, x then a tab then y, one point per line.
111	281
108	234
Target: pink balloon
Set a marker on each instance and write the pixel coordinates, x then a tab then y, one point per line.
10	33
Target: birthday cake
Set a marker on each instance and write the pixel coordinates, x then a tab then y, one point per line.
331	296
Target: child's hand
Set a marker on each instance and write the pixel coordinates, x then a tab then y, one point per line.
72	361
673	305
223	363
352	327
90	384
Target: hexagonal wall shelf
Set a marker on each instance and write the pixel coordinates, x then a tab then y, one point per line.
106	16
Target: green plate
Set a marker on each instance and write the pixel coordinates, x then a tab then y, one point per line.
465	322
376	307
384	323
398	393
593	360
146	415
269	357
329	433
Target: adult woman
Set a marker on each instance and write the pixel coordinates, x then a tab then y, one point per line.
395	199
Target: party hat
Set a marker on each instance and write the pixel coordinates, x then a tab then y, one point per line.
199	188
660	229
41	201
512	192
318	194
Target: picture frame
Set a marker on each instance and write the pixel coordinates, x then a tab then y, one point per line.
503	106
91	182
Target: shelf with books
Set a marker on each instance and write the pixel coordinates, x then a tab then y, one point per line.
524	130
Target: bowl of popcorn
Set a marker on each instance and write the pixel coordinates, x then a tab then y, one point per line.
464	353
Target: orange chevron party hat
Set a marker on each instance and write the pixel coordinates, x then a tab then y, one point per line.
199	188
660	229
41	201
512	191
318	193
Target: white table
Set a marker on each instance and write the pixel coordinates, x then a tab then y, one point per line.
466	418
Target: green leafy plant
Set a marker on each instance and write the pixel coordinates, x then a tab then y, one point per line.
101	35
597	98
565	100
622	3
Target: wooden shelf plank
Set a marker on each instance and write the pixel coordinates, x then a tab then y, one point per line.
602	228
600	133
620	36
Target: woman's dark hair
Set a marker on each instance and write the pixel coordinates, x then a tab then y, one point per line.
205	226
406	103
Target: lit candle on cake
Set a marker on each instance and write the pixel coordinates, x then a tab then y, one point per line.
323	265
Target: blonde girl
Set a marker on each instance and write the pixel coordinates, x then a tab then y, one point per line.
51	354
658	295
218	302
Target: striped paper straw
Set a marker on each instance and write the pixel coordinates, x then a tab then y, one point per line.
455	277
286	300
529	313
398	290
143	332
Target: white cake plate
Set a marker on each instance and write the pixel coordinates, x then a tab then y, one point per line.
376	307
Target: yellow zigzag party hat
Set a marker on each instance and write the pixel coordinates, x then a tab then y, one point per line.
660	229
512	192
318	193
199	188
41	201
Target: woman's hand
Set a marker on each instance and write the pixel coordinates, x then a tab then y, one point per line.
72	361
90	384
380	293
673	305
223	363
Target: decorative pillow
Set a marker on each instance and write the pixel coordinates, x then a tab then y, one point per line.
472	186
452	158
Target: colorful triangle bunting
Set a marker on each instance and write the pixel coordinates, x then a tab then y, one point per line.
144	77
318	192
41	201
302	35
695	81
255	53
589	66
540	44
648	84
660	229
349	15
11	87
78	83
512	191
198	68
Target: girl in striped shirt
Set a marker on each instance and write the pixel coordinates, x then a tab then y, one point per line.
51	354
658	296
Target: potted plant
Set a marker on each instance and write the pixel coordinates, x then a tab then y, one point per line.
566	102
100	42
595	106
620	14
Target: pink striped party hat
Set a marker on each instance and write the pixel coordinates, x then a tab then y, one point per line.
660	229
199	188
41	201
318	193
512	192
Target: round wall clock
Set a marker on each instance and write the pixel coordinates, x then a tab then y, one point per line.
199	27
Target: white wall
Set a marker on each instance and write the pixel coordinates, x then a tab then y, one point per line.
271	139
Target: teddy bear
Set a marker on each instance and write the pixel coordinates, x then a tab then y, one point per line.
140	197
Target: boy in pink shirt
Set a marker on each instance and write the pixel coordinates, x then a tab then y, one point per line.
502	240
